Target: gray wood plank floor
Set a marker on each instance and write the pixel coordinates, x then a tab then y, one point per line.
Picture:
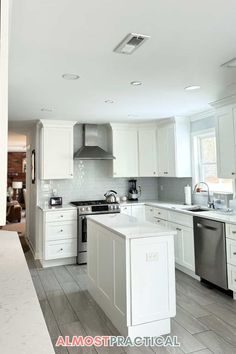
205	321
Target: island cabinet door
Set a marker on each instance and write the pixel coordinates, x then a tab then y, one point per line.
152	279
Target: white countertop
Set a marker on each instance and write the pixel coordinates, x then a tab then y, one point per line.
55	208
23	329
129	226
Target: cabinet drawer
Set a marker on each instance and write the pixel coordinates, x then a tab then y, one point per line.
61	249
60	231
61	215
231	277
149	213
126	209
160	222
231	231
161	213
231	251
182	219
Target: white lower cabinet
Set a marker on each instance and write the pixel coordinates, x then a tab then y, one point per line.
59	235
184	240
138	211
184	246
231	255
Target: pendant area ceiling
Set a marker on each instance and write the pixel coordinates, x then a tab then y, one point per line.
189	40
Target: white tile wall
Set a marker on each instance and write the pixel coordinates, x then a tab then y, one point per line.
91	180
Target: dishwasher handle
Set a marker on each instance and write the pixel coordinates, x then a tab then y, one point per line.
200	226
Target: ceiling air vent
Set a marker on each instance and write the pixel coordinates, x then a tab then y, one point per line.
130	43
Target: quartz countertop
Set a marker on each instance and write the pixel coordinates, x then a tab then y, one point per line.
55	208
129	226
23	329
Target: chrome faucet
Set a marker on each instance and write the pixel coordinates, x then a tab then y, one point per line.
210	203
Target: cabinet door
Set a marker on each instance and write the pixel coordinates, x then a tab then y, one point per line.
147	152
138	211
126	209
178	242
226	163
166	150
188	260
57	157
149	213
125	150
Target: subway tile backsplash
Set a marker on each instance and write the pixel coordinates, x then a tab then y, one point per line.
91	181
171	189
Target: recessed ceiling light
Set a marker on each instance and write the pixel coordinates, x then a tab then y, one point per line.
230	64
109	101
46	110
136	83
192	87
70	76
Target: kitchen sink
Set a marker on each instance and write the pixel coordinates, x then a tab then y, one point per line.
197	209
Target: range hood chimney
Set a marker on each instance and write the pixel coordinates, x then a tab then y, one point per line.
90	149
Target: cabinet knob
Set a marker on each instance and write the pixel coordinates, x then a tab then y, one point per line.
61	230
165	173
62	216
233	232
159	213
154	172
233	173
234	253
61	249
178	229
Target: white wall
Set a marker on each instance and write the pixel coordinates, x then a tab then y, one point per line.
31	194
3	106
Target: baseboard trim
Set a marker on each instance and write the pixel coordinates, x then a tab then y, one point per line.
58	262
187	271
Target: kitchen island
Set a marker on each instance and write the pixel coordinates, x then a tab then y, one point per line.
131	270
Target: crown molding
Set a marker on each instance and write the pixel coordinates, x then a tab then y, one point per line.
224	101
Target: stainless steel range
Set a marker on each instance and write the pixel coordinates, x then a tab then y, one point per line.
85	208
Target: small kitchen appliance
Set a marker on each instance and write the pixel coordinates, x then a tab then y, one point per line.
110	196
85	208
133	192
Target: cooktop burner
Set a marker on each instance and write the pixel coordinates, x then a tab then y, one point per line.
91	202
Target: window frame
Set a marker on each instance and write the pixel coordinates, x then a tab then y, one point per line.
195	146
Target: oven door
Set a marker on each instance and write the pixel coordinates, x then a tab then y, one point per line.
82	234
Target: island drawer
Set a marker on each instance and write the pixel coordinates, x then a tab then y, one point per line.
231	231
61	249
60	231
179	218
61	215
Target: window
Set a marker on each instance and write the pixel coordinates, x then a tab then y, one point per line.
205	162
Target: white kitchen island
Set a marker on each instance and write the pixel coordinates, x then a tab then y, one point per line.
131	270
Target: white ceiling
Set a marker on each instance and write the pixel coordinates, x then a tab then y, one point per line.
189	41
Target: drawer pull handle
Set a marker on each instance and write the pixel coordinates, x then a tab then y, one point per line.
159	213
61	249
61	230
234	253
62	216
178	229
233	232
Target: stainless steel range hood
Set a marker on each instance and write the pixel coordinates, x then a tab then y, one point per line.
90	149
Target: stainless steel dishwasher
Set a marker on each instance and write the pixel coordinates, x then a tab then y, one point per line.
210	251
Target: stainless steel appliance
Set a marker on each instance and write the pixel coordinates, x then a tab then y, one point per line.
110	196
85	208
210	251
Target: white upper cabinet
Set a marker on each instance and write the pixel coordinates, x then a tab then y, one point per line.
173	147
147	147
56	149
226	134
125	150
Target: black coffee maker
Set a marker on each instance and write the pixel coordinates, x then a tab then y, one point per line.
133	192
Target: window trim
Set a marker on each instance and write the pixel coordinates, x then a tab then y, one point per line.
194	135
196	176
